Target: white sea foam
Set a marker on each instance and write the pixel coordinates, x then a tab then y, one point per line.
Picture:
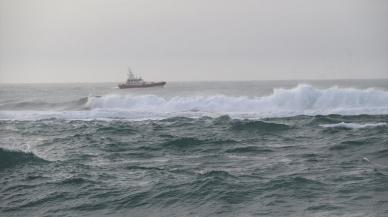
301	100
353	125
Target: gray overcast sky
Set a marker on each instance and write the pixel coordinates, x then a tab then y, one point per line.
95	40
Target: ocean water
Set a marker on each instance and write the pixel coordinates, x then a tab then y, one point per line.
259	148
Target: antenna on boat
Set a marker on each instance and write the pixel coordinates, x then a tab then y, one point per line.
130	74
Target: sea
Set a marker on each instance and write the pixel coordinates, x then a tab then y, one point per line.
193	149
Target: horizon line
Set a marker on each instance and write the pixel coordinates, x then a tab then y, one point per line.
252	80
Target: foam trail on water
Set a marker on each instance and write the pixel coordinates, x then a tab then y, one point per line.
301	100
353	125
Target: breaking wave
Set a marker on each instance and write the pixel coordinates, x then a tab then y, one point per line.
300	100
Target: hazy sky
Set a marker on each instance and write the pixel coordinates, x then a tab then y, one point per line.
95	40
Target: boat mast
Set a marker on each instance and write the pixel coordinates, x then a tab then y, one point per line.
130	74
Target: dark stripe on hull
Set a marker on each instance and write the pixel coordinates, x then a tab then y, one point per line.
153	84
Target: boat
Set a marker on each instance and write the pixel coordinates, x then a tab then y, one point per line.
137	82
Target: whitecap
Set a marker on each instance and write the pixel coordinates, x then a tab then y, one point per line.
353	125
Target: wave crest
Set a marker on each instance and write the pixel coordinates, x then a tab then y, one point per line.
10	158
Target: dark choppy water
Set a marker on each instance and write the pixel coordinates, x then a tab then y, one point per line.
195	149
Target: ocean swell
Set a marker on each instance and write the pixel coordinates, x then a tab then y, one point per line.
39	105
